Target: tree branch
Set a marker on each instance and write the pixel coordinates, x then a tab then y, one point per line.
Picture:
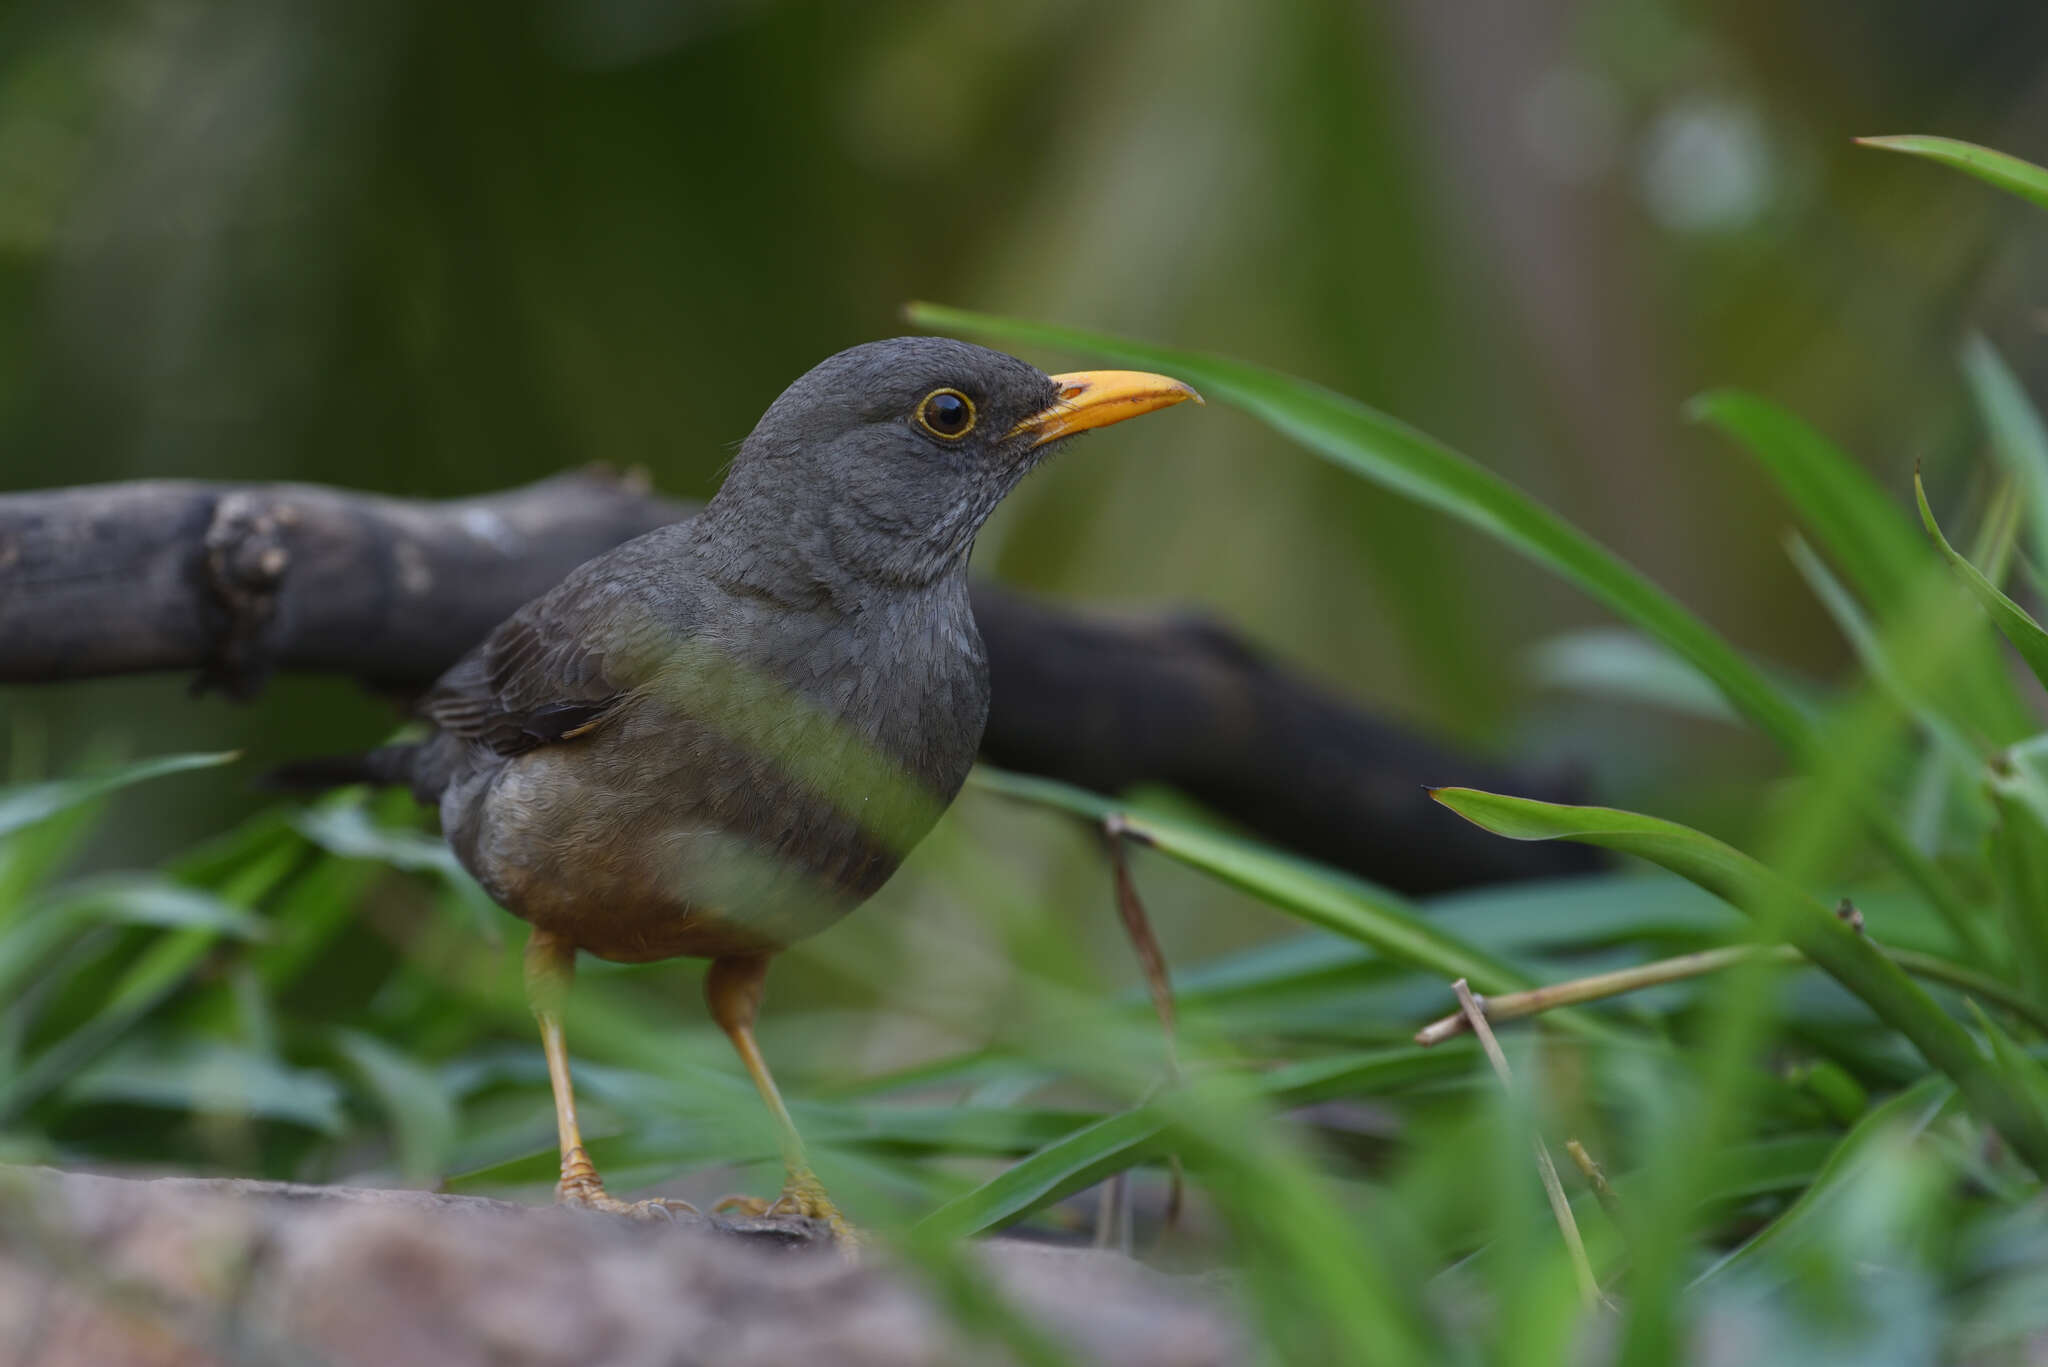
204	1273
237	581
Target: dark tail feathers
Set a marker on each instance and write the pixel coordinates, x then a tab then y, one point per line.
386	764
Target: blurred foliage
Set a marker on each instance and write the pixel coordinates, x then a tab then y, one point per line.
443	247
436	248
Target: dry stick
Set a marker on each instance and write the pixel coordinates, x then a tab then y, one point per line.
1596	1178
1511	1005
1567	1224
1138	926
1113	1213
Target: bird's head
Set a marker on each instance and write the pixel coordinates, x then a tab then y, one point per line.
886	459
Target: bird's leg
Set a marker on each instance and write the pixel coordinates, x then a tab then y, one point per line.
733	989
550	964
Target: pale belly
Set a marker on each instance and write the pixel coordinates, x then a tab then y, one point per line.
727	812
697	858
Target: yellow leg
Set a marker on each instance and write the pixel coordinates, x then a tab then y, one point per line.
733	989
550	964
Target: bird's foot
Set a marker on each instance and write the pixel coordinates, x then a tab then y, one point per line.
581	1188
802	1195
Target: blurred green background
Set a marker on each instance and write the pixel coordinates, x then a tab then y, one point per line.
437	248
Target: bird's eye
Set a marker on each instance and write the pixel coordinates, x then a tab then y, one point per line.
946	413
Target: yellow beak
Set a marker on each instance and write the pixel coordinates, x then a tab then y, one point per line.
1097	398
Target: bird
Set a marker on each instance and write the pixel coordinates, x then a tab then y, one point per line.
720	737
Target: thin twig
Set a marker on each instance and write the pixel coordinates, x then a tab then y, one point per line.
1176	1192
1138	926
1596	1178
1513	1005
1113	1222
1567	1223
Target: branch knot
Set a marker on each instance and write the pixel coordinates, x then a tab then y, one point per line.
246	558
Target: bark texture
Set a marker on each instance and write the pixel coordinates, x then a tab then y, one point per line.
183	1272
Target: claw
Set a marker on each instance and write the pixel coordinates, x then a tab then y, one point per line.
581	1189
803	1195
658	1208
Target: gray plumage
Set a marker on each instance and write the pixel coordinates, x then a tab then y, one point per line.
719	737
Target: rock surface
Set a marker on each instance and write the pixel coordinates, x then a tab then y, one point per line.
185	1272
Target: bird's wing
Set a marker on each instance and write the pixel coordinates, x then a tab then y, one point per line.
559	667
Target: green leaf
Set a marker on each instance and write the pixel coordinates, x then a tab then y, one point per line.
1618	663
1055	1172
313	909
2018	438
1389	452
209	1077
1845	953
2007	172
1866	534
1856	522
2012	620
26	805
143	900
1764	1167
42	825
348	829
2019	847
1107	1146
2023	1073
147	981
423	1119
1908	1113
1321	896
40	933
1872	652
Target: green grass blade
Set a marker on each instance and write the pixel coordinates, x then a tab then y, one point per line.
159	972
1614	662
1876	659
2014	622
141	900
209	1077
1389	452
1349	906
1859	525
2001	169
2019	847
2018	438
424	1124
1846	954
30	803
1055	1172
2022	1071
349	829
1911	1111
1865	534
1095	1151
